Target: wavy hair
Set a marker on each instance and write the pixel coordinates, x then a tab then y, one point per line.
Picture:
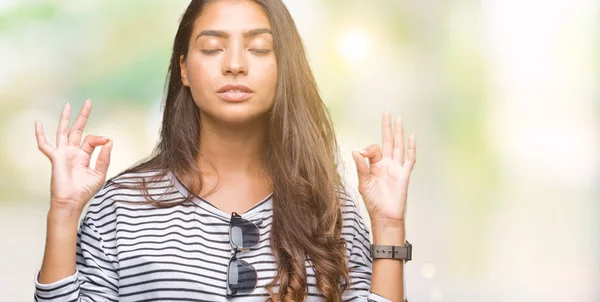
301	157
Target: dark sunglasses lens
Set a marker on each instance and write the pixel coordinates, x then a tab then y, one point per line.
241	277
244	233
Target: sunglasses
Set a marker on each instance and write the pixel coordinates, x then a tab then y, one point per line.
241	276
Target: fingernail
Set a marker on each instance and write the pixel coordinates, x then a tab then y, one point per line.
105	137
363	151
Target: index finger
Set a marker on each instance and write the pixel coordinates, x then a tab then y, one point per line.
77	129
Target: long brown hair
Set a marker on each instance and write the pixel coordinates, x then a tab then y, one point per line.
301	157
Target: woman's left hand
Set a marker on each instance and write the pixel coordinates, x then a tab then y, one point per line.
383	182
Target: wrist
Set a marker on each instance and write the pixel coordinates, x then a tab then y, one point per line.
388	232
59	216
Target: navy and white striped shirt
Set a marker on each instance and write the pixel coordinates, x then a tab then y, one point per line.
137	252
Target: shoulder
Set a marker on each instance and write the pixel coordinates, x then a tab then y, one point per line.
350	208
354	223
129	189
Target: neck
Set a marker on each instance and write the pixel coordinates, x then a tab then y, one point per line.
231	149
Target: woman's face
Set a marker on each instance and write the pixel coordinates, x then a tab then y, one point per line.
231	44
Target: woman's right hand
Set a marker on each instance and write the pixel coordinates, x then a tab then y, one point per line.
73	182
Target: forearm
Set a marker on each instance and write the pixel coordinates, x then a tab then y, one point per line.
61	240
388	277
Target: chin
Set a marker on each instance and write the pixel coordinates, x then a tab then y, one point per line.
240	113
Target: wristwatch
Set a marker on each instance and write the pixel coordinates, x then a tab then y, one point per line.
402	252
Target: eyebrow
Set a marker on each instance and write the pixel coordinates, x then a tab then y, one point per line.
225	34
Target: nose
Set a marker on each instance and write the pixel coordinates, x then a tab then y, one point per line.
235	62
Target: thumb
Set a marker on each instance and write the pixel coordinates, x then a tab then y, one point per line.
104	158
362	168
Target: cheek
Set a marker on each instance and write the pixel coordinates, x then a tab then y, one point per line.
271	76
201	74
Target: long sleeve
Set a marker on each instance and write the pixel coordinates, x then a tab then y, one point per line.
359	260
95	278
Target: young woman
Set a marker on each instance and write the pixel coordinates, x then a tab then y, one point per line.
241	198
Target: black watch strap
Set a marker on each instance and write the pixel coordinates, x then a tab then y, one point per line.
402	252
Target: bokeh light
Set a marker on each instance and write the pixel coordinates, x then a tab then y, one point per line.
354	46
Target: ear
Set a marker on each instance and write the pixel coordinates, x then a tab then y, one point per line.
184	73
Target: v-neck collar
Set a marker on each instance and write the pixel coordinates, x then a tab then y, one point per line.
206	205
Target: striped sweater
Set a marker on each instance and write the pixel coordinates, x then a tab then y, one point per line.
137	252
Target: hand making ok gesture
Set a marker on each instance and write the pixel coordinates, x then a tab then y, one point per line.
383	182
73	182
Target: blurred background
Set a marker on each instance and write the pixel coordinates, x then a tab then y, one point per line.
503	96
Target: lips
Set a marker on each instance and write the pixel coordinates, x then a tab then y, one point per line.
235	92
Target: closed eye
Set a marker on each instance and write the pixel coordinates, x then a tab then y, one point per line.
260	51
210	51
